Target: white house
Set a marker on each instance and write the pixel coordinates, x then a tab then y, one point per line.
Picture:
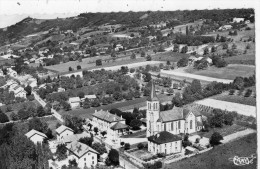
113	124
165	142
118	47
175	121
84	155
90	97
18	90
74	102
35	136
225	27
63	132
238	20
11	72
32	82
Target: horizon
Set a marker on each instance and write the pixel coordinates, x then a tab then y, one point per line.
11	12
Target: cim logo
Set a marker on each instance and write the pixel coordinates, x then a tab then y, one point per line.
241	161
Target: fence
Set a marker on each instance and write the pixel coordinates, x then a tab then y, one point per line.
186	156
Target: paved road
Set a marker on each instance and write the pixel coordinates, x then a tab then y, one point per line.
42	102
237	135
193	76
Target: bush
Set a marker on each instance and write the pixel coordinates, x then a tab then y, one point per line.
158	164
140	146
231	92
160	155
183	62
148	58
248	93
70	69
215	139
127	146
78	67
98	62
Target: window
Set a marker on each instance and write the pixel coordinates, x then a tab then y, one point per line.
191	124
172	126
84	159
93	162
92	157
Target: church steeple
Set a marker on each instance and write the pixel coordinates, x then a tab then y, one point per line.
153	96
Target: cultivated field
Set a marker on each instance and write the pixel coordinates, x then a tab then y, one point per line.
178	74
251	101
229	106
230	72
219	156
169	56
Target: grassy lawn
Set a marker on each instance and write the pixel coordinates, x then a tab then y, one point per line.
142	154
229	72
218	157
87	113
171	56
224	131
140	134
236	99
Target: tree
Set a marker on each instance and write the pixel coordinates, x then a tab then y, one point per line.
238	83
113	156
140	146
127	146
184	49
228	119
95	102
234	46
215	139
225	46
86	104
78	67
147	77
148	58
101	148
176	48
103	133
3	117
28	89
143	54
196	86
133	56
37	124
98	62
187	30
217	118
96	130
231	92
23	115
213	49
183	62
40	111
118	96
61	152
87	140
70	69
135	124
81	94
170	91
206	51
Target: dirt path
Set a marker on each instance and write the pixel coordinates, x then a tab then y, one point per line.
237	135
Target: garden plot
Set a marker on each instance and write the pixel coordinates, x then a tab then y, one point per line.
229	106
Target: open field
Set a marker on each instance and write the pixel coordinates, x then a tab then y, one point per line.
219	156
230	72
169	56
229	106
251	101
182	75
248	59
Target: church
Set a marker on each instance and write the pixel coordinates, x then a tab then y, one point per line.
164	127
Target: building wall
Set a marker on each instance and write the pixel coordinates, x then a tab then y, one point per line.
167	148
37	139
75	105
152	115
190	125
88	160
64	134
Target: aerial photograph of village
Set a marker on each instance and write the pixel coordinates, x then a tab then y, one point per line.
147	89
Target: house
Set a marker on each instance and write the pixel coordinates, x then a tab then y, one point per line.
90	97
238	20
11	72
225	27
60	89
175	122
32	82
113	124
165	142
118	47
35	136
63	132
74	102
18	90
84	155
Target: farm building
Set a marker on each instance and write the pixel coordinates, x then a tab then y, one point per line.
74	102
35	136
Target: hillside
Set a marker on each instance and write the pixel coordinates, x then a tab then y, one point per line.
132	19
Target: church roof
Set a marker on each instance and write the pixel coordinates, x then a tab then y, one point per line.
119	126
153	96
176	113
164	137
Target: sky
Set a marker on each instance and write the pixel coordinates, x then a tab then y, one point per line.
12	11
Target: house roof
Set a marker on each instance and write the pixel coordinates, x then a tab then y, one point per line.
74	99
79	149
35	132
90	96
164	137
153	96
106	116
62	128
176	113
119	126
